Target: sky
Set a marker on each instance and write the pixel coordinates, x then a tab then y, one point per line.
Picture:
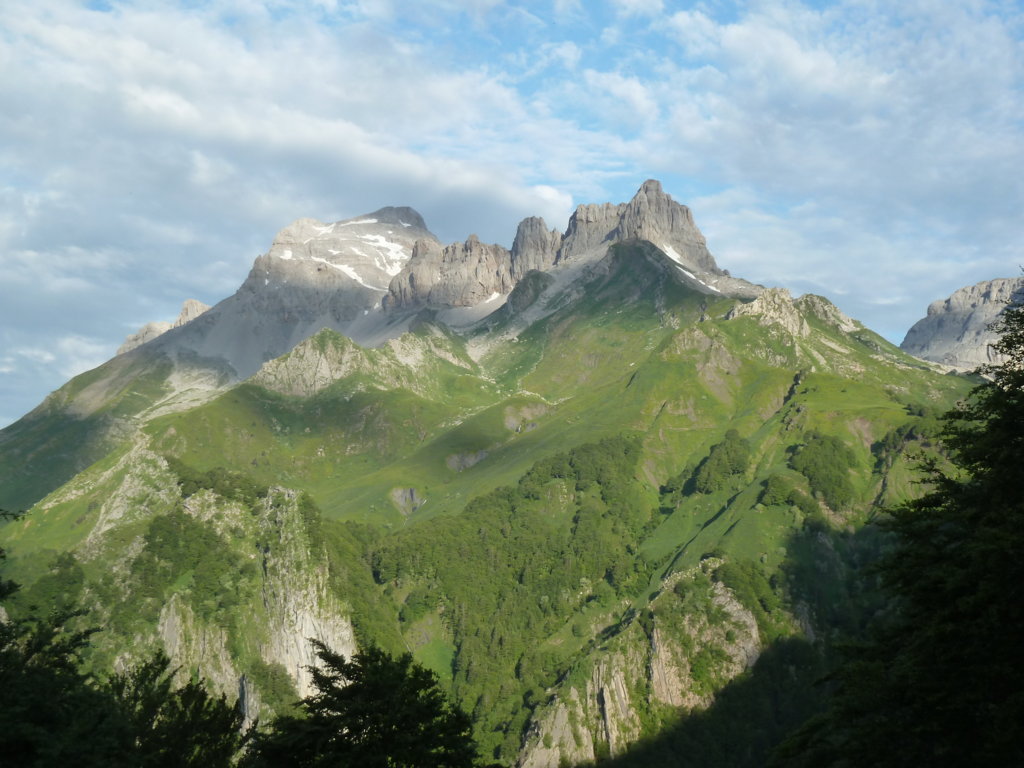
866	150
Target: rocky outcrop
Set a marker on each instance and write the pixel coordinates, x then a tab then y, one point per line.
458	275
190	310
558	738
955	332
288	596
641	672
296	603
827	312
192	644
535	247
668	679
527	291
300	606
651	215
406	500
774	307
610	688
328	357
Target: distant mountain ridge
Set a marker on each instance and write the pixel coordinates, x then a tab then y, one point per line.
956	331
588	481
368	276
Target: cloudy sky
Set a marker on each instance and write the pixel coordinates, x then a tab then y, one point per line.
868	150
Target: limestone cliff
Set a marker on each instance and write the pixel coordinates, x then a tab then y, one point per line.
774	307
275	597
955	332
458	275
671	661
467	274
535	247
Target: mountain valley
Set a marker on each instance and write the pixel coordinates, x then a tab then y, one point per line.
617	499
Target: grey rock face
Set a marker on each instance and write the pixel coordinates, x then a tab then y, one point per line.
527	291
366	251
591	227
651	215
774	307
955	331
654	216
190	310
535	247
462	275
145	334
458	275
314	276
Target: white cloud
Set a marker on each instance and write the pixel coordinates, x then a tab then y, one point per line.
698	34
638	7
567	8
151	151
35	355
567	52
624	99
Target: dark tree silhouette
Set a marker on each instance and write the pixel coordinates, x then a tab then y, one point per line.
182	727
52	713
372	711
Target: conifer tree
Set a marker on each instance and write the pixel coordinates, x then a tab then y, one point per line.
372	711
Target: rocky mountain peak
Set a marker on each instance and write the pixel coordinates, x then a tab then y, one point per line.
654	216
775	306
315	275
535	247
651	200
190	310
955	331
403	216
457	275
357	256
483	273
367	276
651	215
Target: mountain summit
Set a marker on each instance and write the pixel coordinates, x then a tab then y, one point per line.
368	277
956	332
467	274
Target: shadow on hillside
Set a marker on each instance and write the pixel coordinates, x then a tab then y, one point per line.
830	573
749	717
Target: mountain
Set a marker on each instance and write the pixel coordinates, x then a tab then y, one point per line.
368	278
626	494
956	331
